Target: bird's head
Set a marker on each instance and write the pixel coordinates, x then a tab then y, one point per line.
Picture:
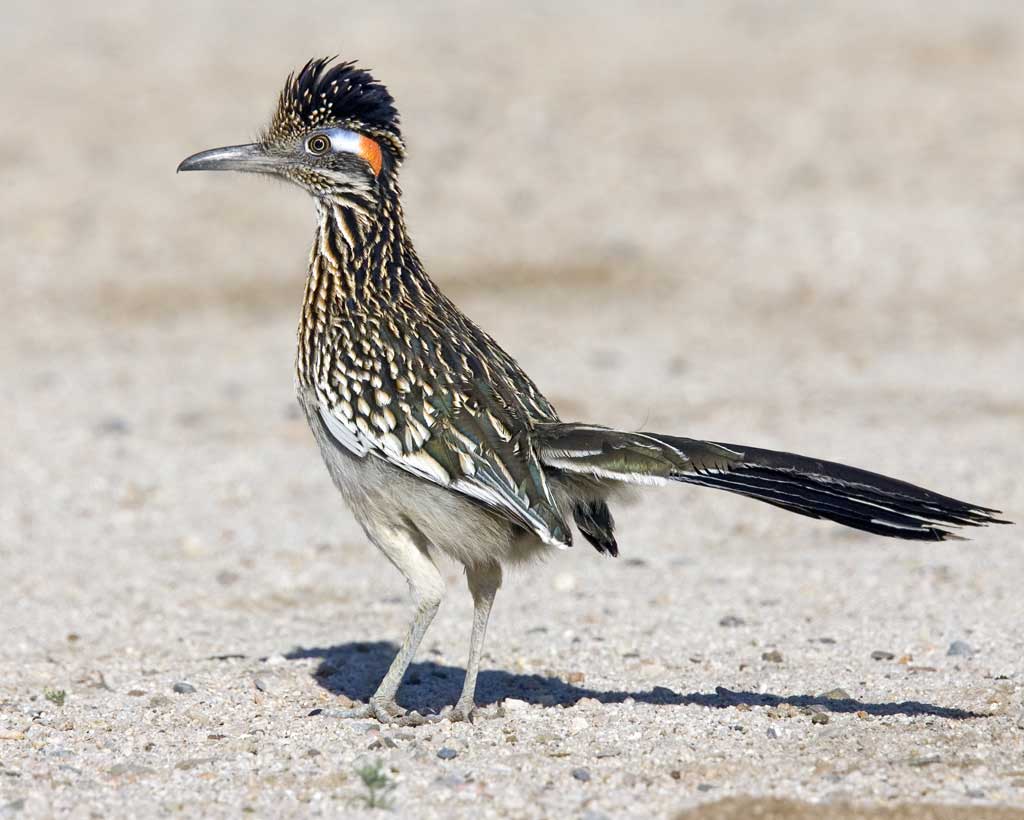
335	133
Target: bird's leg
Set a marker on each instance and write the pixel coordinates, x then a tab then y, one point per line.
483	585
408	552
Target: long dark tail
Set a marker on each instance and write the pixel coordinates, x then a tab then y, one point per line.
808	486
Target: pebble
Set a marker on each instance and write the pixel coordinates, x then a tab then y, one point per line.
515	704
184	688
129	769
388	743
773	733
575	678
773	656
732	620
882	655
263	685
193	762
8	734
578	724
113	425
924	761
564	582
159	700
704	787
445	753
820	718
960	649
581	774
836	694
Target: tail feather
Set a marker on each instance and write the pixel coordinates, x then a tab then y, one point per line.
808	486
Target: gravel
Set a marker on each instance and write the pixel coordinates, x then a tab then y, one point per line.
790	224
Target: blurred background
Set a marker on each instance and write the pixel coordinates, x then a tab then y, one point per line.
795	224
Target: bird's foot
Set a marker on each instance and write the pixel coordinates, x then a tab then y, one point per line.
387	712
464	710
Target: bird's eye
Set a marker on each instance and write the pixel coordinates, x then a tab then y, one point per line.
318	144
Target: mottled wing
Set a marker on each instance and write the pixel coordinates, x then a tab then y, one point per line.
456	425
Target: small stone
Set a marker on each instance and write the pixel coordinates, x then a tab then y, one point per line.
133	769
675	774
704	787
820	718
192	763
313	753
227	577
158	701
586	703
772	656
926	760
978	794
581	774
732	621
113	425
960	649
446	753
783	710
773	733
515	704
184	688
564	582
575	678
388	743
263	685
9	734
882	655
836	694
136	693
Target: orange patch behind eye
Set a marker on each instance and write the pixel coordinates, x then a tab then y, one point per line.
370	151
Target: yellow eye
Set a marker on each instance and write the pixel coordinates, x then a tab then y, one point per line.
318	144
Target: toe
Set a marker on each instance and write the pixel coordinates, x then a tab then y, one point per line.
462	711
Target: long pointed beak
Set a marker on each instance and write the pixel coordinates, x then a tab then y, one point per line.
252	158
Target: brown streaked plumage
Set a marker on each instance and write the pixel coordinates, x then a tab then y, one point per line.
437	439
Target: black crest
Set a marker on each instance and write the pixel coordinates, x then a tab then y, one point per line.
322	93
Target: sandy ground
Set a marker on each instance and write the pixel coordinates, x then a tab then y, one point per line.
793	224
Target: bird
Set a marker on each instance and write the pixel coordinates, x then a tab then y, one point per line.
436	438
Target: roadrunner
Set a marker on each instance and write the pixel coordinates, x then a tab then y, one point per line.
434	435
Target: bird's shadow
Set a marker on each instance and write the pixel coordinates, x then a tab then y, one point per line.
355	669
